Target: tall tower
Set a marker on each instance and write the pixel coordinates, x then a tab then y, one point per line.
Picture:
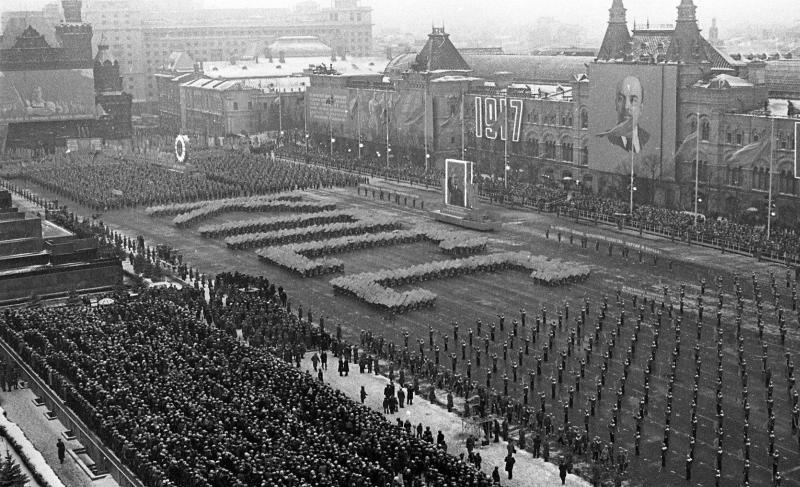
713	33
75	36
106	70
687	46
72	11
617	41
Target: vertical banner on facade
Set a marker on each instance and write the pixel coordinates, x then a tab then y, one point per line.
634	110
796	149
3	136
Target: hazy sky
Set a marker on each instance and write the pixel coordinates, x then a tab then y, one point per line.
460	16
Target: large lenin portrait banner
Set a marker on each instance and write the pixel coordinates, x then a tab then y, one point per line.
633	112
32	96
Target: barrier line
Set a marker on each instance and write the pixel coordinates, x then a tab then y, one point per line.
124	477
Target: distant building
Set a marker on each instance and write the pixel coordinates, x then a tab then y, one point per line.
143	34
251	96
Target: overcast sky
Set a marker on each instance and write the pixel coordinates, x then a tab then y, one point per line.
459	16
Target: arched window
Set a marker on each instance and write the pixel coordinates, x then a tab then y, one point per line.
566	149
693	124
755	181
728	135
584	118
570	120
756	136
585	156
782	139
705	130
739	136
764	179
533	146
549	147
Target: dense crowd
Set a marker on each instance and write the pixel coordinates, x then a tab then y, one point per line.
783	241
399	170
103	183
258	174
185	404
539	195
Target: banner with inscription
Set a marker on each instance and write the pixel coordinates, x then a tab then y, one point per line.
493	118
32	96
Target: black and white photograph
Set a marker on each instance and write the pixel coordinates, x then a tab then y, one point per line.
554	243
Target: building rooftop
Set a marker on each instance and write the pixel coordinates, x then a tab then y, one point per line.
300	46
262	68
530	69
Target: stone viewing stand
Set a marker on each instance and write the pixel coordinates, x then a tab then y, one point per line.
466	218
34	265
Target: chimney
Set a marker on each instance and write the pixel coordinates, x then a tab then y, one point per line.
282	57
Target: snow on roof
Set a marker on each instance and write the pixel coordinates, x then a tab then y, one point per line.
293	66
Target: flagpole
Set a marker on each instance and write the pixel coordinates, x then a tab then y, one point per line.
388	98
358	120
463	147
425	116
330	125
697	168
633	152
305	120
280	117
769	194
505	142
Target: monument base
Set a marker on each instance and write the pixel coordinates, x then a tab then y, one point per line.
47	280
466	218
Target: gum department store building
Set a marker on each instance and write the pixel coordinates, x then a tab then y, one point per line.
561	116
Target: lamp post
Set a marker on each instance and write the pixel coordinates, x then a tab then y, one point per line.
769	194
697	168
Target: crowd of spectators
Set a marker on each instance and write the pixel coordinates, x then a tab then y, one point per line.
397	169
539	195
783	242
106	183
184	403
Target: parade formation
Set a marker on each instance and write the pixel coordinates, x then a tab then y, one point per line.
514	270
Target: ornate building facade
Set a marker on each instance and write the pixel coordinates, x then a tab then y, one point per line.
570	118
59	95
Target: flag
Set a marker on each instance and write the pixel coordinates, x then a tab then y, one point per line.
353	106
688	147
750	154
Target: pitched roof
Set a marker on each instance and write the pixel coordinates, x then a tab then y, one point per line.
439	54
300	46
15	29
530	69
180	61
783	76
651	44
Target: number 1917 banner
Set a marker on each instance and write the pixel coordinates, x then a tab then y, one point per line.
491	121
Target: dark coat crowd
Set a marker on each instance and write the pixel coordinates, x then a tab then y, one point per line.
184	403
